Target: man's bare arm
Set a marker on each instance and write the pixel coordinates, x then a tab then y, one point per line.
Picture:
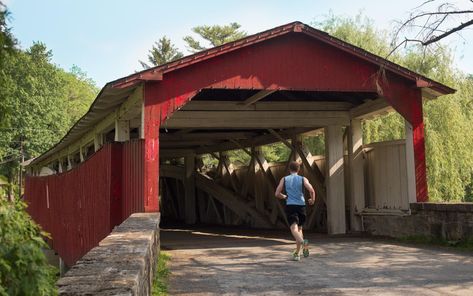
278	192
311	190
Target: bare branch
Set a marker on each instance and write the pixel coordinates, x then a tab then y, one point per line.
441	36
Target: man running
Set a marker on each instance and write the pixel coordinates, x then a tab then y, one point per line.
295	205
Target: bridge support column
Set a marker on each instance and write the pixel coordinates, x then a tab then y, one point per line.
410	164
357	178
335	180
189	185
152	122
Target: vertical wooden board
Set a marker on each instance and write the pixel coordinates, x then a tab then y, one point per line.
403	178
335	180
258	190
152	121
371	178
189	189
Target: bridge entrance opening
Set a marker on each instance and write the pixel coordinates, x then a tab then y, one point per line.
223	154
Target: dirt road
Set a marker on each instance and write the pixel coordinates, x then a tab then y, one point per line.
209	262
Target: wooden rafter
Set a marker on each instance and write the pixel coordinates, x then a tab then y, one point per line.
255	119
257	97
267	106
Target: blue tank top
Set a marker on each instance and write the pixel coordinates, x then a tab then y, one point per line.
294	185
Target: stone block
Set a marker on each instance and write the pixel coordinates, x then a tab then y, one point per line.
122	264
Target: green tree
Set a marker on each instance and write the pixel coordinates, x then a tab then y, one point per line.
24	269
214	36
7	41
39	104
162	52
448	120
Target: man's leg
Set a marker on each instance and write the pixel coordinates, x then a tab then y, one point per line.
305	244
297	236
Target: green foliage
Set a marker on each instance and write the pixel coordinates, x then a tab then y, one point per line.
162	52
316	144
39	102
7	41
160	281
276	152
23	266
359	31
448	120
214	35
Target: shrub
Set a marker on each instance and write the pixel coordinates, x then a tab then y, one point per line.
24	269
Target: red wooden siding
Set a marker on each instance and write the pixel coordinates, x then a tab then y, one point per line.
291	61
132	177
80	207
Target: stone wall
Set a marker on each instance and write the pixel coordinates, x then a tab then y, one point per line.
124	263
451	222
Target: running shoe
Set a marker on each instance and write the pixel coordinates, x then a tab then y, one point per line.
296	256
305	250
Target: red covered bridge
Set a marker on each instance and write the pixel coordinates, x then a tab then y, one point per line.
142	142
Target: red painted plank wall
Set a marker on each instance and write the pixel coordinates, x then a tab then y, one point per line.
132	177
74	207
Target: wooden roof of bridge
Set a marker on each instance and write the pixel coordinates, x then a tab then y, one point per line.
116	92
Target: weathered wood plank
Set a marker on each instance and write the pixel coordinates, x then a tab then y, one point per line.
267	106
256	119
257	97
370	109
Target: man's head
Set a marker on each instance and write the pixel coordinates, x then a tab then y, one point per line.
294	167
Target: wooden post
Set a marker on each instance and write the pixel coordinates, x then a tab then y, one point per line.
259	177
152	122
335	180
98	141
189	185
122	130
81	154
142	121
69	162
59	167
410	164
357	177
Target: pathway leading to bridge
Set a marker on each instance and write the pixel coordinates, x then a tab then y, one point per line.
251	262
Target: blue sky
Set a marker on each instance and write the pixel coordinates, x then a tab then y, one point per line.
107	38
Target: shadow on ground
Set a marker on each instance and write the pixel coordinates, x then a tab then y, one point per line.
216	261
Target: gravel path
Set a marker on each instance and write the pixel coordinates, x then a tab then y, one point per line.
210	262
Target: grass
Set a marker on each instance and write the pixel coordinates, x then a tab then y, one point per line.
465	245
160	281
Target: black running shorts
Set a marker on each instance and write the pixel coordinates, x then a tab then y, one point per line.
296	214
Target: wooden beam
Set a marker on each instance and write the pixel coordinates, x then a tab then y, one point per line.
128	109
98	141
271	181
356	171
186	144
189	186
207	136
335	180
213	206
256	119
316	175
231	200
410	163
174	153
257	97
370	109
122	130
256	141
267	106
